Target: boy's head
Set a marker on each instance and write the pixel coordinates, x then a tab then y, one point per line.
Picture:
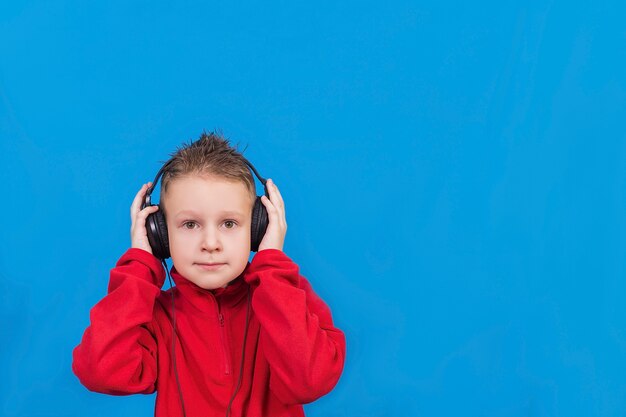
207	195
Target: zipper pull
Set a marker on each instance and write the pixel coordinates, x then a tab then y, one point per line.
221	317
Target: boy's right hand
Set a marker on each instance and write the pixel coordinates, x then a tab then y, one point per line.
138	234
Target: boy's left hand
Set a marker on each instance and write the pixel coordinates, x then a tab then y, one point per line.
274	237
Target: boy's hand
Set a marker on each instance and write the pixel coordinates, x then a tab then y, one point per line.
277	226
138	234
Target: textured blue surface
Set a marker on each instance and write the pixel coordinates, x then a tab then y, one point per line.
453	176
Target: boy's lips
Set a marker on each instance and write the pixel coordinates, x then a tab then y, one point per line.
210	266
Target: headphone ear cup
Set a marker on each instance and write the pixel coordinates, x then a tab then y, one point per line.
259	224
156	229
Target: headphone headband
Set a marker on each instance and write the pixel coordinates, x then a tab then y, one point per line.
156	225
147	200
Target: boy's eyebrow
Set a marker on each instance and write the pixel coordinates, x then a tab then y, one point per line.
232	213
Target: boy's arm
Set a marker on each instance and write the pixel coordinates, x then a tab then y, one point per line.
117	354
305	351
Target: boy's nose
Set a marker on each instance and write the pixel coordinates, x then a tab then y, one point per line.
211	241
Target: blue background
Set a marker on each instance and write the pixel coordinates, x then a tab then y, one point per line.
453	176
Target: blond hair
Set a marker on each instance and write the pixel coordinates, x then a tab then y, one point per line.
211	154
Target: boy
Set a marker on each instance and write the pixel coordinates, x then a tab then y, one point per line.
232	337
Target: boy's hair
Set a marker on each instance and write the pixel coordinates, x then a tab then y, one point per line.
211	154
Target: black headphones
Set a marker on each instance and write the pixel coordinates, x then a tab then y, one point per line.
156	226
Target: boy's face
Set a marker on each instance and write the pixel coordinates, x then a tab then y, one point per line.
208	222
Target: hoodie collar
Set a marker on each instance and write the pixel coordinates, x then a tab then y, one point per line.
210	301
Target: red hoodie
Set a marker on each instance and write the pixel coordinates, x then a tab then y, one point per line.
293	353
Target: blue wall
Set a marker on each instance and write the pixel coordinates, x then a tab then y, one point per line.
453	175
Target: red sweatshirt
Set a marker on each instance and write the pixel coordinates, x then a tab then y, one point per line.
293	353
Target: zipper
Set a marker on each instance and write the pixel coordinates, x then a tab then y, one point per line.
225	355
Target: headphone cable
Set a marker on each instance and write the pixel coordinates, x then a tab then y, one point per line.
174	337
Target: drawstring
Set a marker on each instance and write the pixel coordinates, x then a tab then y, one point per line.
180	391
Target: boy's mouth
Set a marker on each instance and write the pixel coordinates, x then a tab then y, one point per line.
210	266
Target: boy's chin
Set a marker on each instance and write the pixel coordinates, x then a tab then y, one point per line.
214	285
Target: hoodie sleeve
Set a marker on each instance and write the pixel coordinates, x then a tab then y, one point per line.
117	354
305	351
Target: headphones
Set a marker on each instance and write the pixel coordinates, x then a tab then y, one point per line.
156	226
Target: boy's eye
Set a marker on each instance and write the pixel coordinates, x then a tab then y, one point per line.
229	224
189	225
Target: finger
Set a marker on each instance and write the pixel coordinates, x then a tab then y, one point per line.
267	203
143	214
275	195
275	216
138	199
271	209
277	201
140	217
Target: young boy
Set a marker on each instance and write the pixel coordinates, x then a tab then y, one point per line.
232	337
